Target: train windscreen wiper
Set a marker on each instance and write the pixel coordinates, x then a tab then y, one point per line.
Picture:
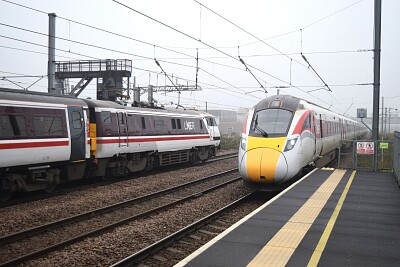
258	128
264	133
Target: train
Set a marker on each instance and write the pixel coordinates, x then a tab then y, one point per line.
48	139
285	136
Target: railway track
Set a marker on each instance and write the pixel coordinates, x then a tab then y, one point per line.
101	220
22	197
136	258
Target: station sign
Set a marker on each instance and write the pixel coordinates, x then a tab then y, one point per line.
365	147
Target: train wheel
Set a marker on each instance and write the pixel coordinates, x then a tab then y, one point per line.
5	195
50	188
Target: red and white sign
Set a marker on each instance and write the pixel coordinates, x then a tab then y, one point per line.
365	147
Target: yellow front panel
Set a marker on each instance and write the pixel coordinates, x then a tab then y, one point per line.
260	142
268	164
262	157
253	164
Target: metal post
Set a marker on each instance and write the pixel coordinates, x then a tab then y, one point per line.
136	91
382	118
385	121
150	94
52	58
377	66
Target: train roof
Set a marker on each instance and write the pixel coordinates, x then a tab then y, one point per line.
279	101
110	104
39	97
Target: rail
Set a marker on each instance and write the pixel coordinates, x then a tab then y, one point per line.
155	210
133	259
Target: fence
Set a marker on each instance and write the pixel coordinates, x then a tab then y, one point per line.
396	156
359	155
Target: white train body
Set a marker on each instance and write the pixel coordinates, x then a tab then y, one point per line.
284	134
47	139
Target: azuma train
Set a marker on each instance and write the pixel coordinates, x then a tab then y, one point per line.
46	139
283	136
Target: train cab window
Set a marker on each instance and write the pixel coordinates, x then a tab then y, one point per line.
211	122
12	125
271	123
201	124
307	123
47	126
106	117
76	120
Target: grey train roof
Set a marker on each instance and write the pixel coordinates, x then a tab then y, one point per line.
39	97
287	102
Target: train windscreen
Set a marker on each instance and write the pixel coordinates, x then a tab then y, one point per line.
271	123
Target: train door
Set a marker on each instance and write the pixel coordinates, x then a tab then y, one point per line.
318	136
210	127
122	129
77	131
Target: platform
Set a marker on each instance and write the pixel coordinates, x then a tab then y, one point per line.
328	218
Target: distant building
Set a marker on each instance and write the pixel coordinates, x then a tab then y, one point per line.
229	122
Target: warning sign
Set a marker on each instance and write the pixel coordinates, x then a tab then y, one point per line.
365	147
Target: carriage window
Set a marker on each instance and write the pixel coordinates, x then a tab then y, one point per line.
178	123
159	123
143	123
201	124
173	123
271	123
47	126
106	117
12	125
76	120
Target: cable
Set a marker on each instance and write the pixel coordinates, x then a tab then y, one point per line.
35	52
27	42
249	33
309	25
191	37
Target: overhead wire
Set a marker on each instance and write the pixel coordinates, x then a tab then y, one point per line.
249	33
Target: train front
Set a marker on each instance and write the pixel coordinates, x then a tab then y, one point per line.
264	141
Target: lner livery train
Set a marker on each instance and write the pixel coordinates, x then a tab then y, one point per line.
283	135
45	139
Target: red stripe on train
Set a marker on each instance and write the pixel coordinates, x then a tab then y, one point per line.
151	139
33	144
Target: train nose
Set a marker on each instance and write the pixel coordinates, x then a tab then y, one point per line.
265	165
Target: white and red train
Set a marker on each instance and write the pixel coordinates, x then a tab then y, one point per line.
283	135
47	139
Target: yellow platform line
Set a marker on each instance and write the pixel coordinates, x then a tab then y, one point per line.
280	248
316	256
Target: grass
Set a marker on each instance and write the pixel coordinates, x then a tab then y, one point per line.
229	142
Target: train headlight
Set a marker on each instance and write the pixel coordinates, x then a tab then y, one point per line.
243	143
290	144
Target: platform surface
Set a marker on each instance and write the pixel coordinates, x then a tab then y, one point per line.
328	218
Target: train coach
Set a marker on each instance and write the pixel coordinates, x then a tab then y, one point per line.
47	139
284	136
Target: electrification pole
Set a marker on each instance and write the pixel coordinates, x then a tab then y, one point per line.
377	67
51	60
